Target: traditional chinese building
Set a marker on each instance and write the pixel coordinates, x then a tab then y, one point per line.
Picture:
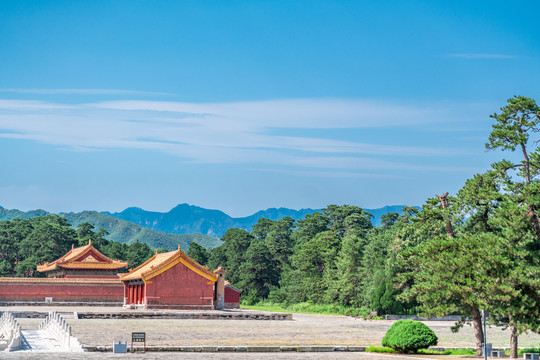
173	280
83	262
84	275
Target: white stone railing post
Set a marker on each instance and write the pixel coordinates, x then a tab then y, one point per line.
11	331
58	327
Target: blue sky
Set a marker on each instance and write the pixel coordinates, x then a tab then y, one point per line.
245	105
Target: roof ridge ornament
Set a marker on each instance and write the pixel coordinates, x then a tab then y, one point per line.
220	270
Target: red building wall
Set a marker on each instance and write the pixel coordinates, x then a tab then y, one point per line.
232	298
24	289
180	287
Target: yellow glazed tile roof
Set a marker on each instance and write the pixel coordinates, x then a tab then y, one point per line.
77	259
162	262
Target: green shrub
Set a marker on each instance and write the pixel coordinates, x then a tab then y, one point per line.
406	336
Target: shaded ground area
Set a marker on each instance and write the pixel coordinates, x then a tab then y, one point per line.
303	330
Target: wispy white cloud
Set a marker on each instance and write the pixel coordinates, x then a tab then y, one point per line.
81	92
231	133
481	56
29	105
295	113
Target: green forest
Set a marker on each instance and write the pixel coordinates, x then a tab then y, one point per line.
478	249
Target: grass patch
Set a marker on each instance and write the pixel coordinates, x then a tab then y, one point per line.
379	349
432	352
309	308
447	352
266	307
528	350
461	352
383	349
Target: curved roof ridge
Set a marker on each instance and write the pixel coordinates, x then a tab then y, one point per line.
161	262
75	254
137	272
131	271
88	247
196	264
66	255
173	256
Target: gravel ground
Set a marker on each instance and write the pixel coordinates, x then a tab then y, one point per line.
302	330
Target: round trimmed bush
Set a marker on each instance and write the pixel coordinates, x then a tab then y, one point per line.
406	336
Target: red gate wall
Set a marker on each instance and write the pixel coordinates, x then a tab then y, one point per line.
33	289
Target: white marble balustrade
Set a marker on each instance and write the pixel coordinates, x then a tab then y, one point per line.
57	327
10	332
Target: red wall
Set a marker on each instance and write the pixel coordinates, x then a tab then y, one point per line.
231	295
232	298
180	286
60	291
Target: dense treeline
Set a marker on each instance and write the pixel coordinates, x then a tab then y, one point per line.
336	256
24	244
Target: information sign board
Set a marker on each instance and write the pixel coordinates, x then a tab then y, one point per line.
138	337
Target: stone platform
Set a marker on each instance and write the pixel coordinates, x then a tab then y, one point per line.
146	314
195	315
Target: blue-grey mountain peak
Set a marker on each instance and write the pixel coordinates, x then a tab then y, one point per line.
189	219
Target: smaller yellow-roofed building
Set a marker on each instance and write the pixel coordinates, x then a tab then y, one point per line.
83	262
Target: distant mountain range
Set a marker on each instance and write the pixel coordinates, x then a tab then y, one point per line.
121	230
187	219
182	225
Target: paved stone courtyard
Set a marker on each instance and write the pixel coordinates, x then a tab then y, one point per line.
302	330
